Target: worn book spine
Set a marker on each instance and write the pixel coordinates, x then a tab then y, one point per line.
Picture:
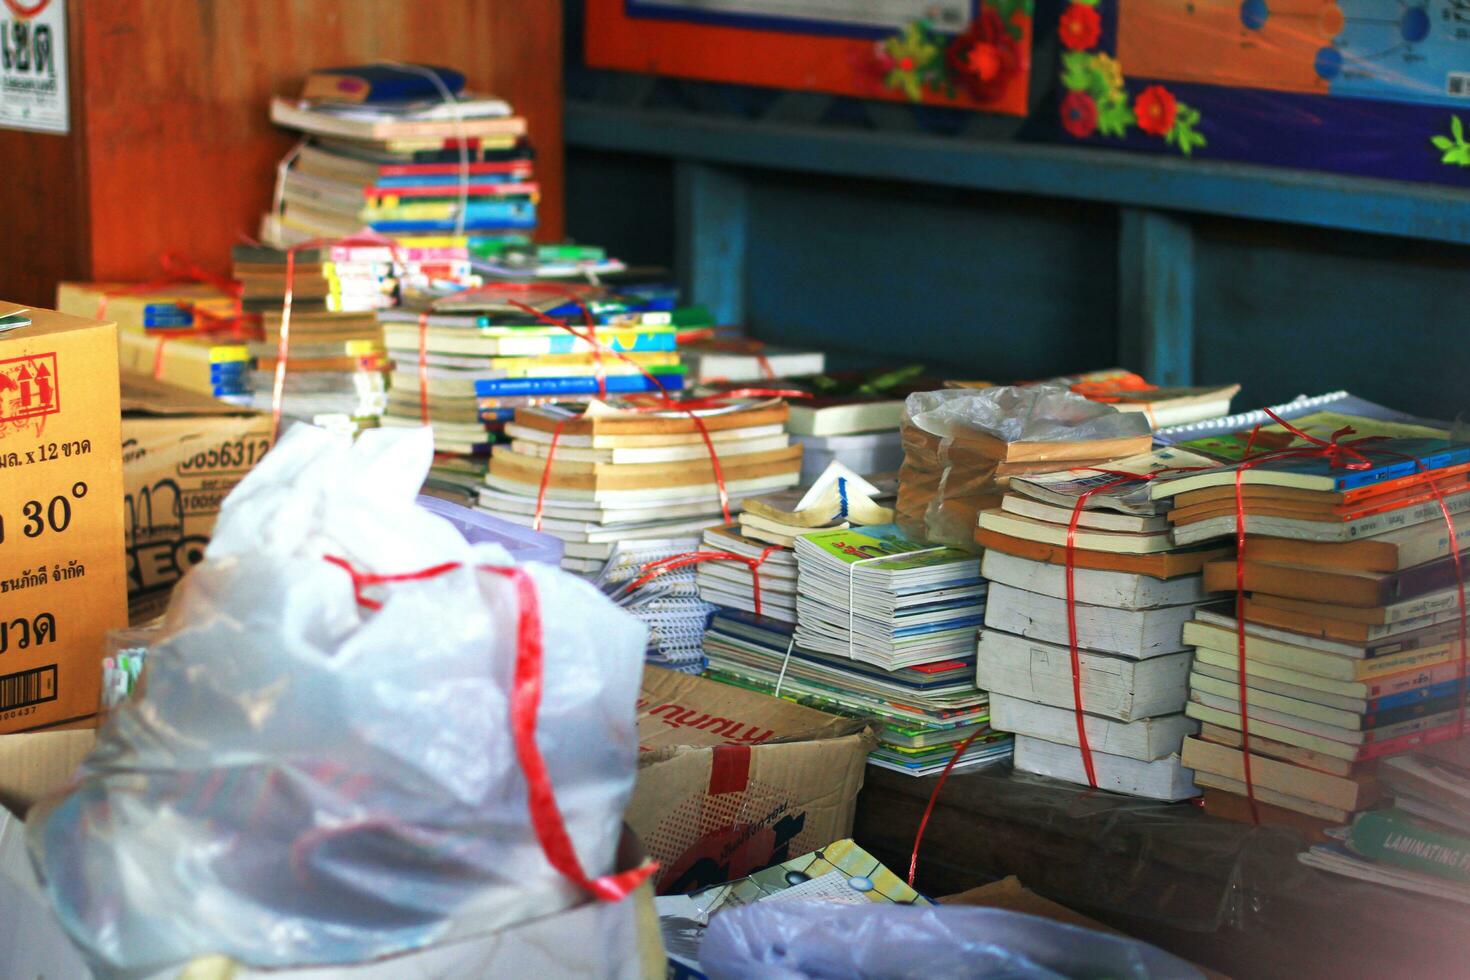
1392	838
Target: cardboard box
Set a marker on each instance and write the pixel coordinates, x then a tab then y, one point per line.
182	453
731	781
36	764
62	579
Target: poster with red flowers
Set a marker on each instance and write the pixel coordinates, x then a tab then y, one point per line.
1374	88
969	54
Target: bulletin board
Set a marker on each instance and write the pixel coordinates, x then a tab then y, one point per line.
1376	88
972	54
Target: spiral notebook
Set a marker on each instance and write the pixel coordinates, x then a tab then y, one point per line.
1226	438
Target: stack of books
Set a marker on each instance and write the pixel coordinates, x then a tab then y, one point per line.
1351	617
419	158
219	367
766	532
1129	392
337	367
963	446
668	602
467	361
854	420
725	355
884	631
620	474
1132	592
1422	842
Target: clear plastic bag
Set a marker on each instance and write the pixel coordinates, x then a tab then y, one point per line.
795	941
309	779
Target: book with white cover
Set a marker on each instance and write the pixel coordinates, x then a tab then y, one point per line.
1118	542
1112	687
1159	779
1064	488
1095	587
1100	520
1146	739
1136	633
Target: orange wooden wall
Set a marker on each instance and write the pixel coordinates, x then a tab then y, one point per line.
171	147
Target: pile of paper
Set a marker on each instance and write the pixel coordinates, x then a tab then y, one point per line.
620	474
1351	609
1132	591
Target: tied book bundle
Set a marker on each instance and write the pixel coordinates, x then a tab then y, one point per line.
1346	640
725	355
651	580
603	473
853	418
444	171
1082	650
963	446
338	367
466	361
921	713
884	631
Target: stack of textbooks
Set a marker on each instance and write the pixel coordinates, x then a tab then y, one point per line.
1422	842
464	363
216	367
1351	616
1132	592
621	474
766	533
667	602
962	447
884	631
852	419
420	157
337	367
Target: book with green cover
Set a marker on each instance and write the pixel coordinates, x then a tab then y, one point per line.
851	546
1394	837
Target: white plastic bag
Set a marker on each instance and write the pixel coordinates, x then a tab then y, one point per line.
309	779
801	940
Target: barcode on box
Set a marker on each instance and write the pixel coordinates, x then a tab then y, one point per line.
1457	83
28	687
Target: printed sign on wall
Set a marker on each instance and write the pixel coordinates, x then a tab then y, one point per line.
33	65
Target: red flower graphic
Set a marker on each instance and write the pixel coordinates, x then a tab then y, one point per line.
1080	27
1079	114
1155	109
985	57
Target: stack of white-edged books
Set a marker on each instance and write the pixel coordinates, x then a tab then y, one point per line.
1132	593
880	598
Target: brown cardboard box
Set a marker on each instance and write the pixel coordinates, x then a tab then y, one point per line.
62	580
34	764
182	453
731	781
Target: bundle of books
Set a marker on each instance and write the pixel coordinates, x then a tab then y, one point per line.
336	365
884	631
1351	616
418	157
1132	592
1129	392
216	367
963	446
1422	842
851	418
667	601
725	355
618	474
920	713
467	361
